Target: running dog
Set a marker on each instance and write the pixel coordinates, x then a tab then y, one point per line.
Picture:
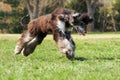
60	22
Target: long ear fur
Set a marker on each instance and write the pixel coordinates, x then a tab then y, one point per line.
86	18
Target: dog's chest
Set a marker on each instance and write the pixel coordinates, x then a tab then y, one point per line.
61	25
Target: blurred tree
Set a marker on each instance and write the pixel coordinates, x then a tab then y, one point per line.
33	8
117	5
9	21
14	3
107	14
91	6
78	5
40	7
116	8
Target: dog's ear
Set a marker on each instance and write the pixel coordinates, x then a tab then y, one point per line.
62	17
86	18
76	14
53	16
58	16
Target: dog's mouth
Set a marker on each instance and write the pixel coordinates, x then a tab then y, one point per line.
80	30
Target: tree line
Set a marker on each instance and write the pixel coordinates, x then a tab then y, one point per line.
106	15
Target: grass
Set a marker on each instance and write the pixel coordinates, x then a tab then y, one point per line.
97	58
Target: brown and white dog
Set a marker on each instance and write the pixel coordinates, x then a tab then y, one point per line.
61	22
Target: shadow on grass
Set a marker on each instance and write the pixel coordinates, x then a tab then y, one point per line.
80	58
96	58
104	58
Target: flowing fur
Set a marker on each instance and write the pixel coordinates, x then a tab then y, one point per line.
60	22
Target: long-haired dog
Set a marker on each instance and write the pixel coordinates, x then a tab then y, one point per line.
61	22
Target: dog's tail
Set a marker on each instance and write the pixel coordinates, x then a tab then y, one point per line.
25	20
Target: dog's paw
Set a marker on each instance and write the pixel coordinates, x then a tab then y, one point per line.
17	50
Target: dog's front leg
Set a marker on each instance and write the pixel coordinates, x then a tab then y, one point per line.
72	44
69	38
65	45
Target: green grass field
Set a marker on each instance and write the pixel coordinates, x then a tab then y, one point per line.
97	58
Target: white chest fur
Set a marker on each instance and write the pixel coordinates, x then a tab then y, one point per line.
61	25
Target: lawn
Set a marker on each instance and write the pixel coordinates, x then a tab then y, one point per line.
97	58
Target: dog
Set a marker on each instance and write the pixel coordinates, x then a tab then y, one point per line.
61	22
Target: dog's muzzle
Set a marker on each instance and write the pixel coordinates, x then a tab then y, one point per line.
80	30
79	26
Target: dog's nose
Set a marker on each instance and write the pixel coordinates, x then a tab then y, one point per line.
70	55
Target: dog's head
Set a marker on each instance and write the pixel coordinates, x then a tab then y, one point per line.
80	21
73	19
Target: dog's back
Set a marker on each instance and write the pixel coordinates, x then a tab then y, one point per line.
61	10
40	24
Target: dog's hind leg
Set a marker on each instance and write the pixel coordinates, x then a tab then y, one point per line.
22	41
30	46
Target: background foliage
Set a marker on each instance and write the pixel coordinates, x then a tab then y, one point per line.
106	17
